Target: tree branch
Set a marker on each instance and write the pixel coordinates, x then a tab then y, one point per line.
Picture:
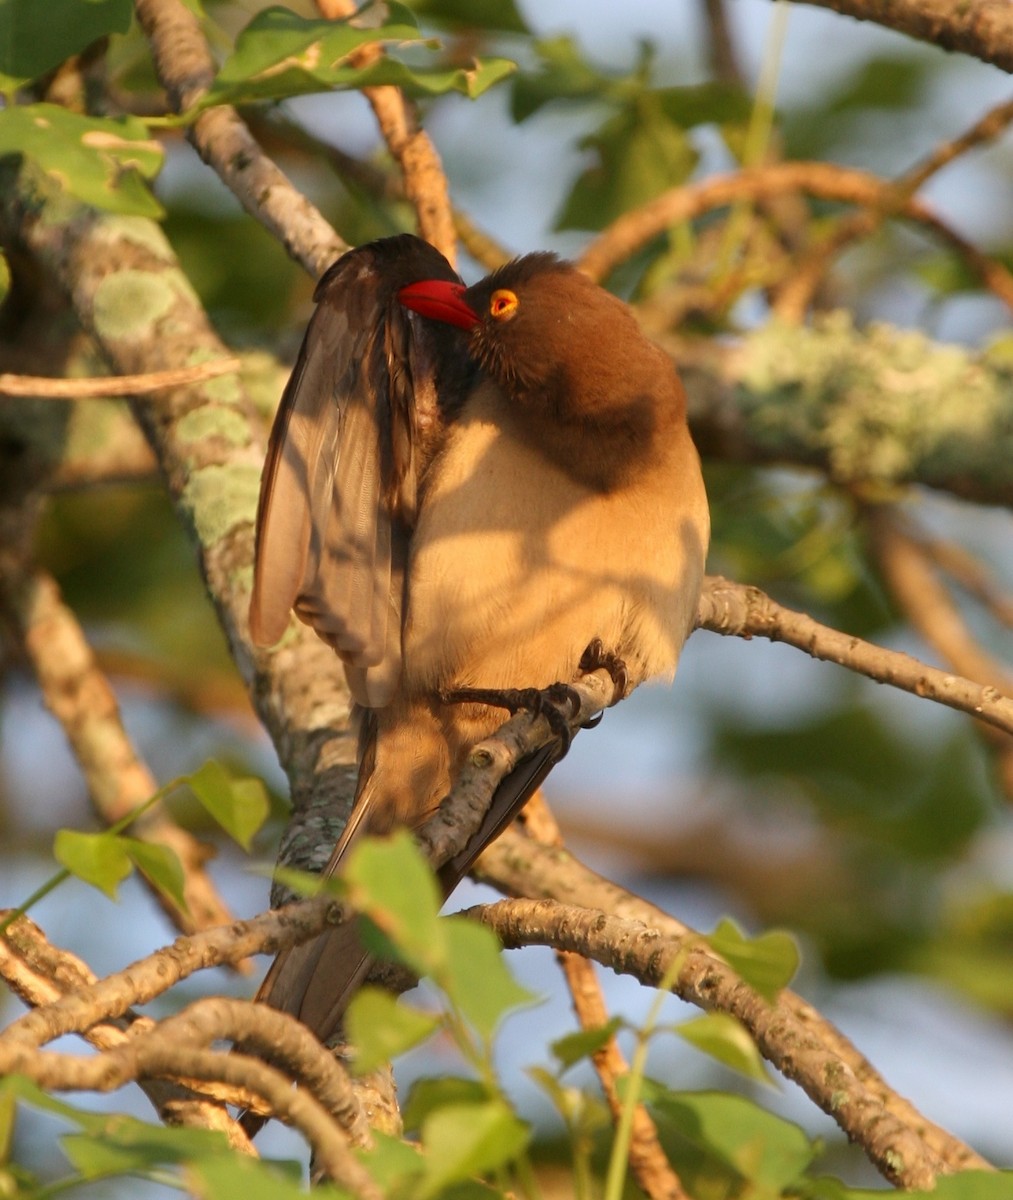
743	611
802	1044
219	135
81	698
425	182
632	948
881	406
981	28
797	291
128	292
176	1046
927	603
103	386
634	229
648	1161
39	973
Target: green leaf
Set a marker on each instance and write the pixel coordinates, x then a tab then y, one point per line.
280	54
380	1028
640	153
8	1111
885	81
584	1043
767	1150
26	1090
99	160
5	277
100	859
391	1163
725	1038
476	977
124	1145
391	883
704	104
500	15
38	36
767	963
160	865
448	1091
578	1107
564	74
965	1185
227	1176
464	1140
240	806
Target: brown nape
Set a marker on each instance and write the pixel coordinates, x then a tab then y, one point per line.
597	395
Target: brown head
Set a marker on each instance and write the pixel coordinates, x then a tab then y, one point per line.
596	392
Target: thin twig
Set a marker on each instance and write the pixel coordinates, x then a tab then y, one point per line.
626	235
969	573
425	181
219	135
927	602
377	183
112	385
929	606
742	611
797	291
648	1162
39	973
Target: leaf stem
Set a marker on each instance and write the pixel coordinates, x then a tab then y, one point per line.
761	121
632	1085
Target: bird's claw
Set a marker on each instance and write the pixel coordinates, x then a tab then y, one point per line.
597	658
548	704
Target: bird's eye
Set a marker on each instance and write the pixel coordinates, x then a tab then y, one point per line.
502	304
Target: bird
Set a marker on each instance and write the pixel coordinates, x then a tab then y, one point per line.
472	494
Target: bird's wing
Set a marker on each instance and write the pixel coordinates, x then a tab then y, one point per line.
337	499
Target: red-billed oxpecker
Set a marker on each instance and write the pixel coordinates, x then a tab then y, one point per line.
469	493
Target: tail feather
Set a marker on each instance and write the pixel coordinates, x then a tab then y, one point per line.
314	982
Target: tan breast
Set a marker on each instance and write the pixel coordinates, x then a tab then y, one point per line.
515	567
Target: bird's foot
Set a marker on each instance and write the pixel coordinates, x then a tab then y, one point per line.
597	658
549	703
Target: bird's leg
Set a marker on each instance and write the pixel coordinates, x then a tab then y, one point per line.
597	658
548	703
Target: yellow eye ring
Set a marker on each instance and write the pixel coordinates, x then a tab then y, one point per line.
502	304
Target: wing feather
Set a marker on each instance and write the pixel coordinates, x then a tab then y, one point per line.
340	481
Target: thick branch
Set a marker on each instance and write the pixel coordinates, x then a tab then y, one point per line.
174	1047
981	28
631	948
880	406
128	292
